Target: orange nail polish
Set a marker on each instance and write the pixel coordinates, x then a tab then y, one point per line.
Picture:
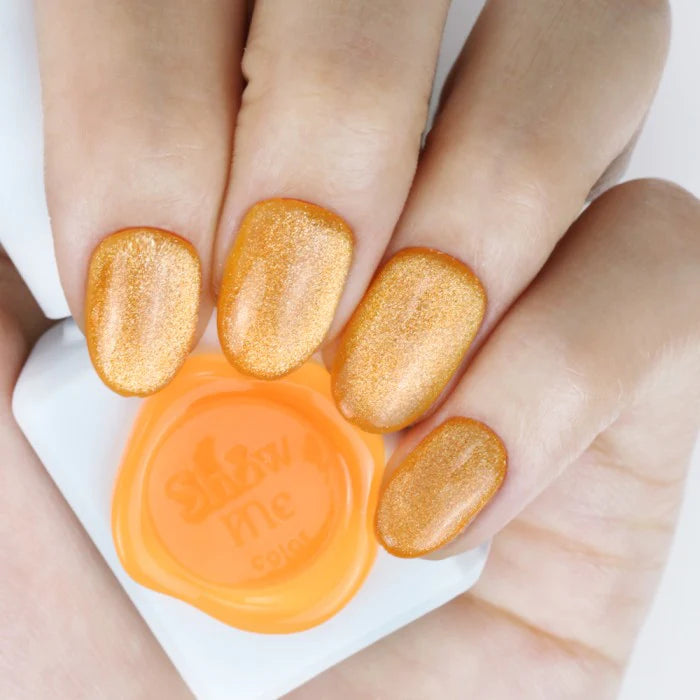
406	339
250	500
141	307
281	285
440	487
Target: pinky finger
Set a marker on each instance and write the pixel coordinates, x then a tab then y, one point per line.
618	301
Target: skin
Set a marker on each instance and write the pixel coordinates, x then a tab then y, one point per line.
566	587
586	365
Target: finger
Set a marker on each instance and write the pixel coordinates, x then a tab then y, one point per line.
22	319
327	136
567	584
64	617
593	545
616	306
543	98
138	122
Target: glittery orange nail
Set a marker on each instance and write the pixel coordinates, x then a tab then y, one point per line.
282	283
406	339
141	308
440	487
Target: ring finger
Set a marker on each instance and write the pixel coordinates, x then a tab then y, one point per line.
543	98
600	344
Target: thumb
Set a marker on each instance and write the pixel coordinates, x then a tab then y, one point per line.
21	323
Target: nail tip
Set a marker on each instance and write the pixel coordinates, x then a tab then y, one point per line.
122	388
258	371
373	424
352	409
252	365
356	417
398	545
397	551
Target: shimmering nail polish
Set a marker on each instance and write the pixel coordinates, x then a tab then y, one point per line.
440	487
406	339
281	286
141	308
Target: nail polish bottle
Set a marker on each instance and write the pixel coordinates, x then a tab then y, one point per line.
236	513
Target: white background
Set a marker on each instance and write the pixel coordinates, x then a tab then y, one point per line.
665	662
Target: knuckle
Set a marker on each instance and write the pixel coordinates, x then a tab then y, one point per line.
342	58
659	221
356	136
656	12
651	20
356	86
658	201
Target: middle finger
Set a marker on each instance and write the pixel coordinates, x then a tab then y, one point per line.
332	117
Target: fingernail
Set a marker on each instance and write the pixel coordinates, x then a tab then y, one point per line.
406	339
281	286
141	308
440	487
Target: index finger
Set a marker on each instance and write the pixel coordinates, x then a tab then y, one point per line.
138	120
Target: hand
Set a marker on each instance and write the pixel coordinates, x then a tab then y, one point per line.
567	583
532	121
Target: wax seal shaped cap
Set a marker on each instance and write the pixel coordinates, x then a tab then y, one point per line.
251	500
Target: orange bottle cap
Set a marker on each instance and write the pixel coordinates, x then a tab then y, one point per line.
251	500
